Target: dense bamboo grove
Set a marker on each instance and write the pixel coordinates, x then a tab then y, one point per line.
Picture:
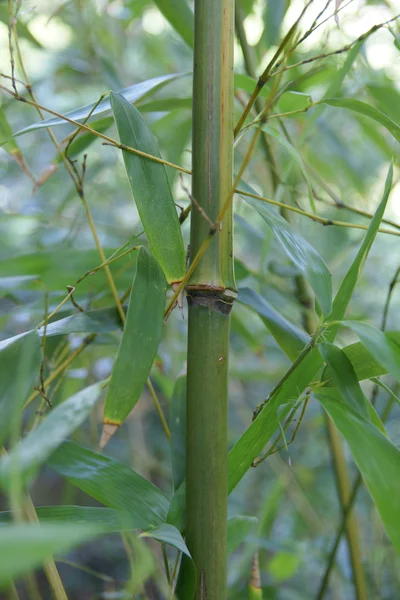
200	350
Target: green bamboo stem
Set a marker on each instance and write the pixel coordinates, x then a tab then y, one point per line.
211	291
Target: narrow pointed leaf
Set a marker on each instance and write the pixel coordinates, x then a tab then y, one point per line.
289	337
133	93
61	422
151	190
376	457
106	520
348	284
346	382
384	350
254	439
295	156
239	528
362	361
180	16
367	110
20	359
140	339
112	483
26	546
300	252
178	431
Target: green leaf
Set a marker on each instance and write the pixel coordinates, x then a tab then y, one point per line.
84	139
180	16
11	145
289	337
151	190
346	382
112	483
24	547
254	439
36	447
106	520
102	320
376	457
384	350
300	252
20	360
239	528
295	155
291	101
348	284
274	13
133	93
362	361
178	431
140	339
22	29
367	110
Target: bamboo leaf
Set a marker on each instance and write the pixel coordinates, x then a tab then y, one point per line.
295	155
24	547
289	337
178	431
11	145
362	361
20	360
180	16
376	457
300	252
106	520
367	110
292	101
384	350
140	339
112	483
36	447
22	29
253	440
348	284
151	190
346	382
132	94
239	528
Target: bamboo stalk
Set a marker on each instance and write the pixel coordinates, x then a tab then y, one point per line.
211	291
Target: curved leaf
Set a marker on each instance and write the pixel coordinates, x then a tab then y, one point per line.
24	547
367	110
289	337
140	339
300	252
36	447
20	359
181	17
384	350
377	458
133	93
151	190
112	483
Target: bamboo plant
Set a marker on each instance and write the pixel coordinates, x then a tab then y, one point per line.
250	153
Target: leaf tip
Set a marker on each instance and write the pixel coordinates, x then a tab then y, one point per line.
108	431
